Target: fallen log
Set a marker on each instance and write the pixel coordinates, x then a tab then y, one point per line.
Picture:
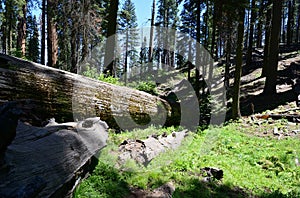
67	96
49	161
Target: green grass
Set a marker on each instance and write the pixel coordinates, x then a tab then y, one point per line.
262	167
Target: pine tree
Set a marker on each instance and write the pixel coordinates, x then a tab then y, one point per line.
128	25
32	52
8	26
188	27
167	17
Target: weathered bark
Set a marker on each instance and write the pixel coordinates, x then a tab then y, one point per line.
52	33
67	96
21	40
236	113
50	161
272	66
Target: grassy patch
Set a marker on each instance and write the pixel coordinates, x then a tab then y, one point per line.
260	167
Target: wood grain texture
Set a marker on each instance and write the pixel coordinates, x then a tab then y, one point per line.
67	96
47	162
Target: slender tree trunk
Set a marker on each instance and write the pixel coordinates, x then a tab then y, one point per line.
206	26
74	54
52	33
228	54
150	55
283	33
126	57
85	31
259	25
247	30
189	58
298	25
252	21
111	40
213	35
236	113
272	66
267	39
290	23
43	33
4	38
9	18
198	50
21	40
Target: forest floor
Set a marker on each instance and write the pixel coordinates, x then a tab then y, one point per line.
258	154
252	83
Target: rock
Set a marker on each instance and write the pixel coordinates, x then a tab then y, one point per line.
275	131
212	173
143	151
164	191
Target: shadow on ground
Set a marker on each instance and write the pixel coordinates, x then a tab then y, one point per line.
285	81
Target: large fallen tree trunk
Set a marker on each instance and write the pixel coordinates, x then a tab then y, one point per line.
67	96
49	161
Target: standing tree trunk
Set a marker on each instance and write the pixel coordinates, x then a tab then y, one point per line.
198	50
283	32
267	39
290	22
74	54
213	35
43	33
52	33
150	55
228	54
9	24
252	21
272	66
21	40
236	113
85	30
259	24
298	24
111	40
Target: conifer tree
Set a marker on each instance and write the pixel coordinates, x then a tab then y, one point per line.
32	52
128	26
167	17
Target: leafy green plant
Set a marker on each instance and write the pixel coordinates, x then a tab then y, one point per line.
91	72
148	87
